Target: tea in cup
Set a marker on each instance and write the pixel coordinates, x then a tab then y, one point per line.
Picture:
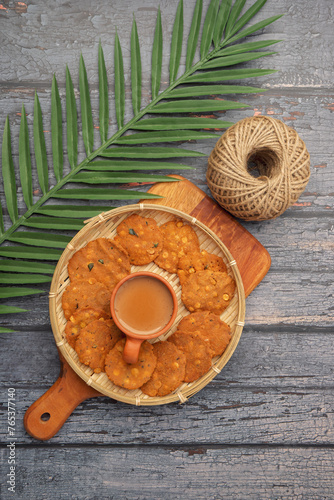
143	306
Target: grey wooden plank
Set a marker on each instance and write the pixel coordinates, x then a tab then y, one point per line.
218	414
297	242
40	40
285	298
292	299
267	358
308	112
178	473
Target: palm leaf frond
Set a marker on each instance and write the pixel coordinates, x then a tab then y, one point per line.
103	93
86	109
208	28
71	121
135	69
222	18
25	161
194	34
131	165
8	174
34	240
157	57
40	147
56	131
233	16
176	45
119	84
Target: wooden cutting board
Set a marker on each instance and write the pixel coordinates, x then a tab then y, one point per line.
47	415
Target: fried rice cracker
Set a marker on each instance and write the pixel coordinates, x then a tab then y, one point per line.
169	372
130	376
179	239
102	259
197	352
208	291
141	237
85	293
199	261
210	327
95	341
80	319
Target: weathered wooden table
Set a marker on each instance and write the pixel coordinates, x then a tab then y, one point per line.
263	428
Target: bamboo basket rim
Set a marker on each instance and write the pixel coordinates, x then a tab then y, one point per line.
93	229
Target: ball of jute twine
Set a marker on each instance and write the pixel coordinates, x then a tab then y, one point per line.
268	147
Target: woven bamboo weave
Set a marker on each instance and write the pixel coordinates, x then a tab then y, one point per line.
262	145
105	225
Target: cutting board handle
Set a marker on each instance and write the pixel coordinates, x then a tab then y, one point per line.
46	416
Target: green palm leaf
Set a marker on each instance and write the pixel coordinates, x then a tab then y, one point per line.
79	211
231	60
167	123
72	121
245	47
12	309
8	174
56	131
40	239
86	110
119	178
166	136
226	75
22	252
156	152
40	148
196	106
222	18
9	310
119	84
209	26
234	14
206	90
23	279
2	226
103	93
13	291
254	28
247	16
135	69
157	57
60	223
176	45
101	194
25	160
194	33
34	240
23	266
130	165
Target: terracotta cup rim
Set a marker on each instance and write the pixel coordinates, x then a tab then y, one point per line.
144	336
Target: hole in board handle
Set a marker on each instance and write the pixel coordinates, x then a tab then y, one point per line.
45	417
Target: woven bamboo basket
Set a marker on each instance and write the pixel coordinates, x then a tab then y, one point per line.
104	225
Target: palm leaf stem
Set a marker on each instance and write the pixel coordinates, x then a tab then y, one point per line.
99	152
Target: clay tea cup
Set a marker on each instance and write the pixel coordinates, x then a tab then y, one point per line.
143	306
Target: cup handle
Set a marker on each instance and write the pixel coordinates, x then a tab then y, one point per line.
131	350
